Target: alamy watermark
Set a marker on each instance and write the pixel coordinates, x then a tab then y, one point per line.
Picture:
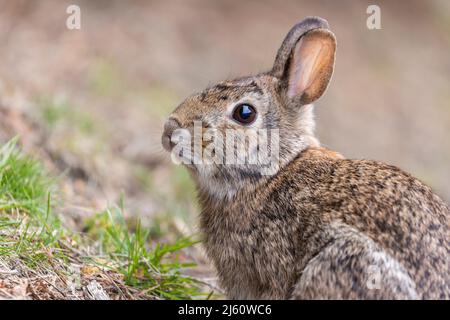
373	21
259	148
374	277
73	21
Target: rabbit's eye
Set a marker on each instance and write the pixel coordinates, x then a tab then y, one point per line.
244	113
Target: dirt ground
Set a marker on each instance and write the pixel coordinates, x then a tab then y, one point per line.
96	98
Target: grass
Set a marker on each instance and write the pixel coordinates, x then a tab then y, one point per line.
143	267
27	224
175	207
33	240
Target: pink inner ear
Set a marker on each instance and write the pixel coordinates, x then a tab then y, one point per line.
305	64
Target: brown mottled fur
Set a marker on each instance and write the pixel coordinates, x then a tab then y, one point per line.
323	226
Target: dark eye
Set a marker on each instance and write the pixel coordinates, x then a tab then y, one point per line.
244	113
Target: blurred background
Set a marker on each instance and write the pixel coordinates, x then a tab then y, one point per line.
92	102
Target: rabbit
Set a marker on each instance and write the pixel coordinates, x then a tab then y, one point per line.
320	226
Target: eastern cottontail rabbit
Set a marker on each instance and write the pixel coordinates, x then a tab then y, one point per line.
319	226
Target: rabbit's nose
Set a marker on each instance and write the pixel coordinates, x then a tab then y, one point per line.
169	127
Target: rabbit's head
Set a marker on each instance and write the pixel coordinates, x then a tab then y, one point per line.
235	132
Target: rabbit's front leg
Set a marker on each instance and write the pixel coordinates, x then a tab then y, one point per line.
353	266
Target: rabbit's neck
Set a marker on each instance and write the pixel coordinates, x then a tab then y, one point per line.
224	188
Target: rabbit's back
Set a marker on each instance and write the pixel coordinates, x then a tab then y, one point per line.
398	212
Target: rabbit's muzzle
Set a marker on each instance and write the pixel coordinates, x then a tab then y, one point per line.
169	127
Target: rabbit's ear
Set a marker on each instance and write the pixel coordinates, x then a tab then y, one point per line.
305	60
